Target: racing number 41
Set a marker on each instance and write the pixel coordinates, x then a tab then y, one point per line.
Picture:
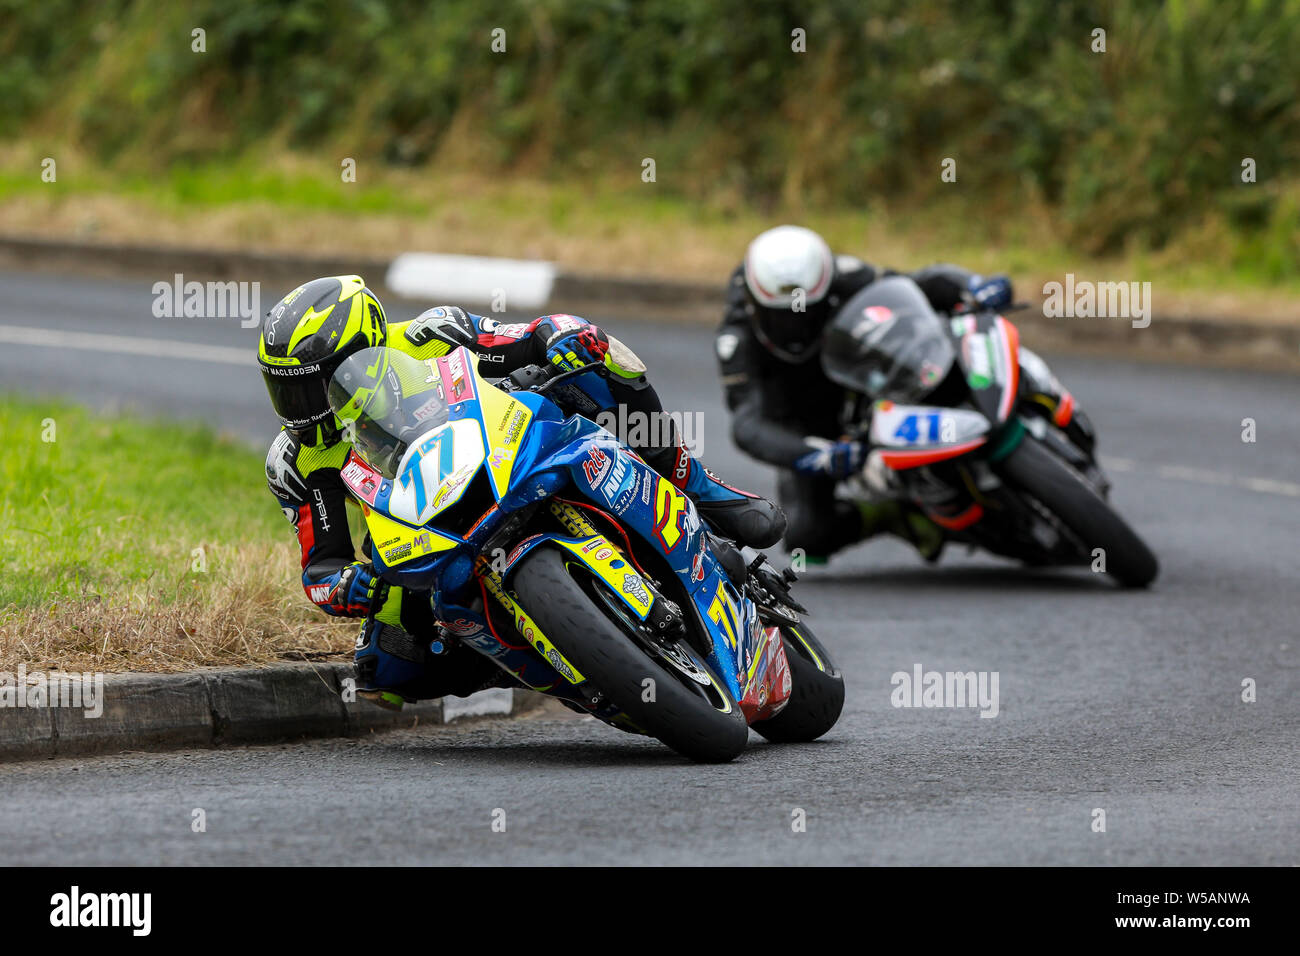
909	429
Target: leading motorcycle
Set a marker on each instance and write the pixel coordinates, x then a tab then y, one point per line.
556	551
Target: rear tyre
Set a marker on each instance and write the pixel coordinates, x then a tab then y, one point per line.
817	697
1063	492
580	614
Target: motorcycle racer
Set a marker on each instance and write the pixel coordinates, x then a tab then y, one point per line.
787	413
400	654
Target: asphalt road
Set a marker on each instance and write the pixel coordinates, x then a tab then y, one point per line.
1124	702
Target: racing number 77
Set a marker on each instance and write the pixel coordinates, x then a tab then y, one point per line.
411	475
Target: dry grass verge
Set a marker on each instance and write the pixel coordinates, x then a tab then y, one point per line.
128	545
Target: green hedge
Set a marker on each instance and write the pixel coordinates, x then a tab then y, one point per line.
1131	145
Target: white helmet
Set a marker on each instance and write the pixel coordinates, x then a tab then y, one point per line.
784	259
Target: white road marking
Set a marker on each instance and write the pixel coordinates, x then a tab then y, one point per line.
221	354
524	283
1201	476
125	345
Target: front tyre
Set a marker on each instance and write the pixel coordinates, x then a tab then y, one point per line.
817	694
578	612
1060	489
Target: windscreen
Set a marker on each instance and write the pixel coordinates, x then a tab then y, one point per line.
385	400
888	343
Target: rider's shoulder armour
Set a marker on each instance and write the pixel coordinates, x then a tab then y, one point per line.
288	463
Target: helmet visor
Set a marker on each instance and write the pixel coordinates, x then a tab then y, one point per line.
298	394
791	336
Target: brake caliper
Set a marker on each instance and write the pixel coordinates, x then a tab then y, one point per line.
665	622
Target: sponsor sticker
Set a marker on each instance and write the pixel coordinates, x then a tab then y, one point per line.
697	566
459	386
428	409
558	663
596	467
362	480
612	487
519	548
515	427
633	586
399	553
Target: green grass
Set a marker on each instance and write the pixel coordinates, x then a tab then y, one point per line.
186	186
127	544
115	504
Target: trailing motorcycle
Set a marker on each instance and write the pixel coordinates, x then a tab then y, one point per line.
975	433
553	549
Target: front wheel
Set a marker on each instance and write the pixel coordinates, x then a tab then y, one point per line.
673	696
1061	490
817	695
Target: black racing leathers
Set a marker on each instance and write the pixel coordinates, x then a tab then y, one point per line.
778	404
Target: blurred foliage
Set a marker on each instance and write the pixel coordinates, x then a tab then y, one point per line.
1127	147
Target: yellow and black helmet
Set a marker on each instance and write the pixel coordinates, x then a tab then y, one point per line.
305	337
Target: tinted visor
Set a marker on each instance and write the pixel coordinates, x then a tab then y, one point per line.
298	394
792	336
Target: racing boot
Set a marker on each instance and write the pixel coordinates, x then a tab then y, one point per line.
732	513
390	663
403	654
887	512
903	520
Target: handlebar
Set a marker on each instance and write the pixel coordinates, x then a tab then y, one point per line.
550	377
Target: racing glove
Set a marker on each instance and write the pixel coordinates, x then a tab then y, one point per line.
349	592
833	459
574	348
991	293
